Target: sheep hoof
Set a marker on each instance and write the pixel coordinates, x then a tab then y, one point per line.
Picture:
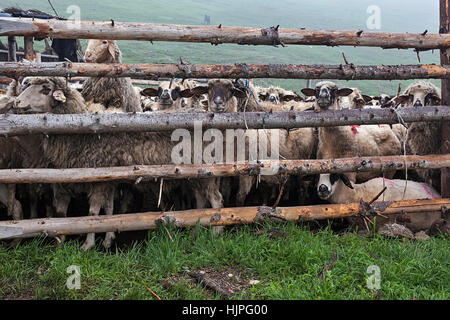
59	240
88	244
110	236
218	230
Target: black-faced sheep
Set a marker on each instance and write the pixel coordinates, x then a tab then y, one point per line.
337	188
294	144
169	95
110	92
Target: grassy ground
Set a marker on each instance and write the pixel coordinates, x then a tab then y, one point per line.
288	266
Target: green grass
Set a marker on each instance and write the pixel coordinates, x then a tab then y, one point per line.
319	14
288	267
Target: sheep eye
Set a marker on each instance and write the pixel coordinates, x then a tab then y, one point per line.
45	91
105	41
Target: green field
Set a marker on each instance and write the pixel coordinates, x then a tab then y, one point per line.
288	263
320	14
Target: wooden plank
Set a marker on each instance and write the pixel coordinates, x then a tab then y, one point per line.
206	217
13	124
281	71
186	171
216	35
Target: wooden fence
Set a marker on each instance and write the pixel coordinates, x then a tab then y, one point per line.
11	125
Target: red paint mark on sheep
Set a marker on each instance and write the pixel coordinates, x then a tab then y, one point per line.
354	128
431	193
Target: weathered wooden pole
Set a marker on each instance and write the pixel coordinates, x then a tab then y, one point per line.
12	49
186	171
13	124
216	35
206	217
28	48
287	71
445	60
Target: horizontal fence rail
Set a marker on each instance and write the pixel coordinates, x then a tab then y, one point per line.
216	34
207	217
281	71
13	125
185	171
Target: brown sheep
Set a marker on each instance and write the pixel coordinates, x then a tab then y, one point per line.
52	95
110	92
423	138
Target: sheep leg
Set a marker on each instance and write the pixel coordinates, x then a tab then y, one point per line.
94	210
245	185
215	199
61	203
109	207
17	213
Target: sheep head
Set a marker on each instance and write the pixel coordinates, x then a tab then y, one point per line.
422	93
326	93
278	95
102	51
168	93
328	183
49	95
222	95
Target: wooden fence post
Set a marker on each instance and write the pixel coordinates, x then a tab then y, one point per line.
12	56
445	60
28	48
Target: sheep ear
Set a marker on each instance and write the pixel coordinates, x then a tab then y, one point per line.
187	93
197	91
377	98
238	93
402	99
367	98
345	180
112	50
297	97
309	92
58	95
149	92
344	92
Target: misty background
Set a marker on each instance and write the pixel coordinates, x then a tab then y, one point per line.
411	16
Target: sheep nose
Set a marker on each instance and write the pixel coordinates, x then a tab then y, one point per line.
272	99
418	103
165	95
218	101
323	188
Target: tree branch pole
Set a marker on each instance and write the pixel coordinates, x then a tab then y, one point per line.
445	59
206	217
14	125
12	56
280	71
187	171
211	34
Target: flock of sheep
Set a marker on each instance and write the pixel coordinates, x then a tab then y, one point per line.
115	95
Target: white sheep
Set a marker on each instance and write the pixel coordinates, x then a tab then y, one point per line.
337	188
351	140
110	92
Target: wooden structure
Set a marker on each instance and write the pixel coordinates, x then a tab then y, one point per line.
11	125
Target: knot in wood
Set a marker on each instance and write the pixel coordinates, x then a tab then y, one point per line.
272	34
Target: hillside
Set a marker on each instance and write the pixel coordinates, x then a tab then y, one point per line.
320	14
